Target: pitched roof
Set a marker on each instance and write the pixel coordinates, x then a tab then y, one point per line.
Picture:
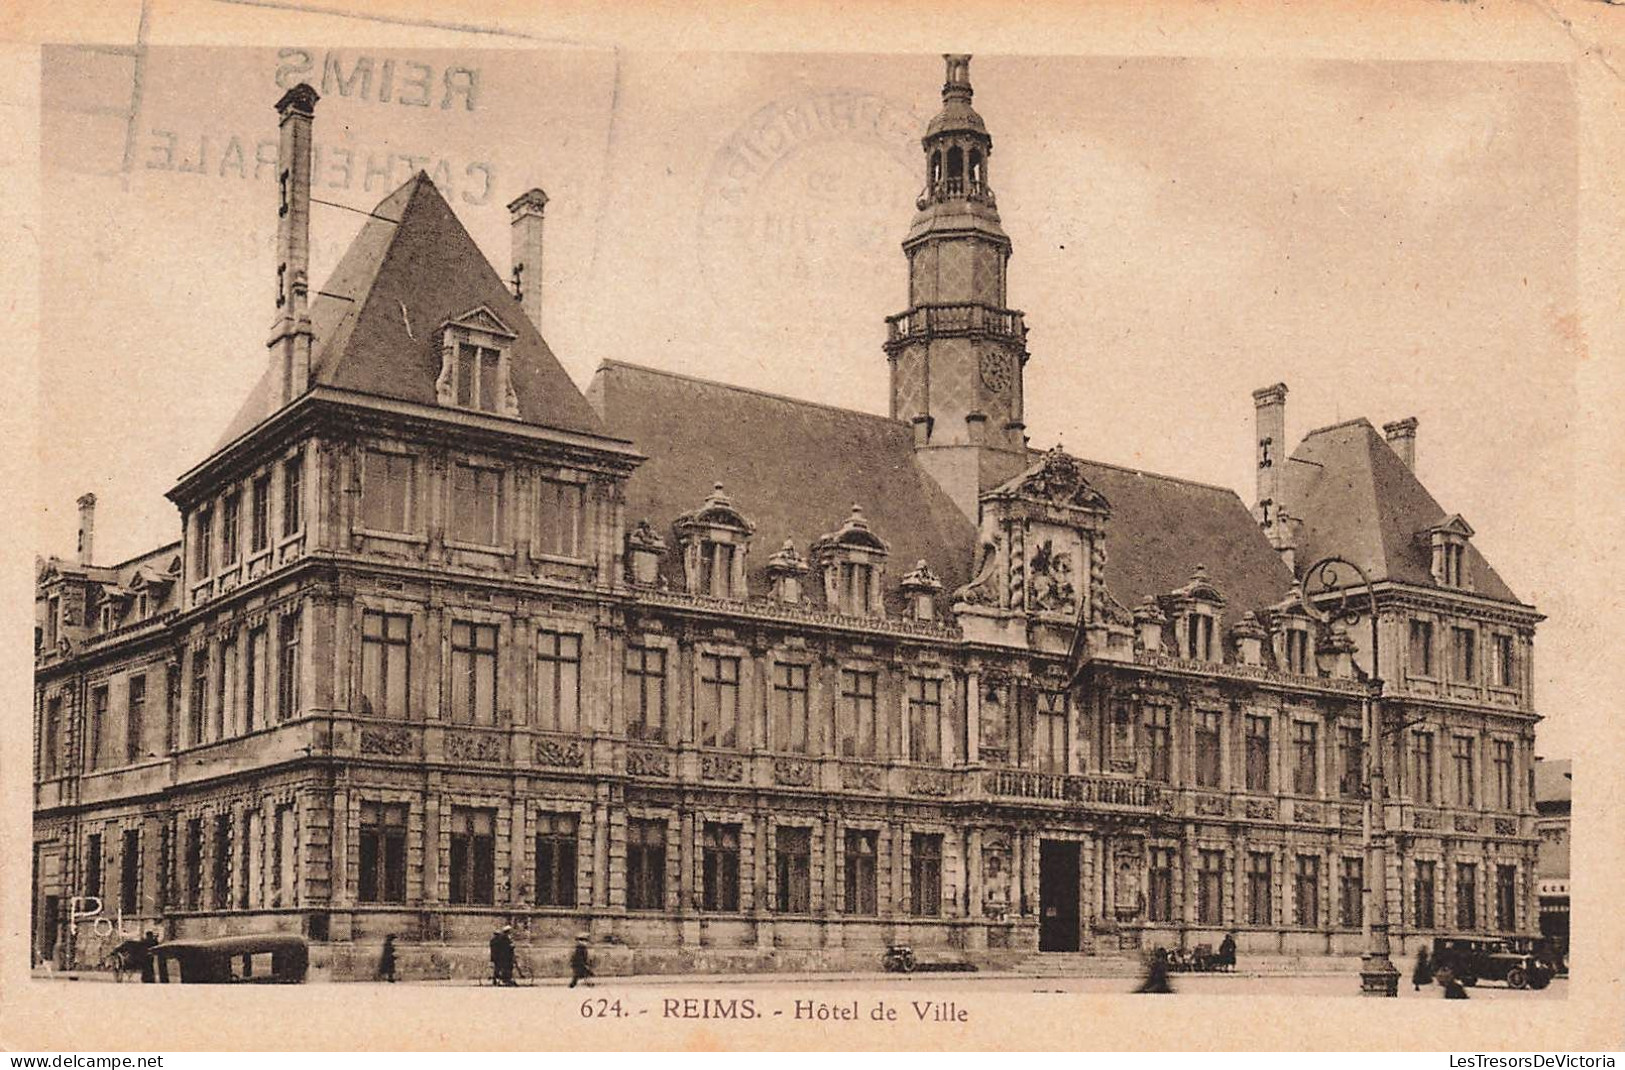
1357	499
411	268
1554	780
794	468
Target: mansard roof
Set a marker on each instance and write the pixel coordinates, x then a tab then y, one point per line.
1357	499
377	318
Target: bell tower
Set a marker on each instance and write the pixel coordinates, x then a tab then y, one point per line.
958	353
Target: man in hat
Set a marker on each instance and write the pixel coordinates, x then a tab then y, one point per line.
502	956
580	967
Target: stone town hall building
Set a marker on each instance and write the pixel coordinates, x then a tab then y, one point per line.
725	678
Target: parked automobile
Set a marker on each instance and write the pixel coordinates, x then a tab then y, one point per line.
1511	959
261	958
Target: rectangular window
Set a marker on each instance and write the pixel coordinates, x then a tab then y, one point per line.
225	699
1503	774
1161	904
1199	637
1421	767
1260	888
1350	761
1466	896
220	882
925	719
558	681
200	694
1462	758
1306	748
387	491
287	679
645	693
386	640
1422	894
98	726
645	864
283	889
135	720
203	551
51	752
93	865
259	527
860	871
925	875
473	673
561	519
716	569
1505	671
1465	646
476	505
790	708
1258	753
719	701
231	522
293	489
858	714
192	864
793	865
1306	892
1351	893
1208	751
1049	736
1422	648
254	679
1159	742
246	859
129	883
556	860
719	867
1210	887
1297	651
854	589
172	702
479	378
383	853
1506	898
53	615
473	855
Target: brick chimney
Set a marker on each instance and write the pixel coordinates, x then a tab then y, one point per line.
87	528
290	342
525	219
1401	435
1269	404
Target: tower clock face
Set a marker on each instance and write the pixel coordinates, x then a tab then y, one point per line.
996	371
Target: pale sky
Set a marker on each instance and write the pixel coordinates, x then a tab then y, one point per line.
1390	239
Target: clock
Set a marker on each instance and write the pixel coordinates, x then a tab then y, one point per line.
996	371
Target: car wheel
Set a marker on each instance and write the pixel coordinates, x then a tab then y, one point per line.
1517	977
1539	980
1469	980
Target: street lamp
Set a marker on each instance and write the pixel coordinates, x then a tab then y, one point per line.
1378	977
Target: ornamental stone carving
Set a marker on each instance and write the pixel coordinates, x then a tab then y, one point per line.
1506	826
1350	816
722	767
644	762
566	753
1424	819
924	782
1058	478
1466	823
1050	575
473	747
1308	813
983	590
1261	809
390	741
794	772
861	777
1210	805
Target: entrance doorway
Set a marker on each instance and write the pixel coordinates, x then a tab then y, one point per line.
1058	895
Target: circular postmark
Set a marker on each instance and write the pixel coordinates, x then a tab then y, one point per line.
804	195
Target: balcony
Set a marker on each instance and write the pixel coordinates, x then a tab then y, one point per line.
1111	793
958	319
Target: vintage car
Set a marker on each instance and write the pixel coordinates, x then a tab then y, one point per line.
262	958
1474	958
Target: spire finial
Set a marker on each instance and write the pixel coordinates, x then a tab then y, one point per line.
957	81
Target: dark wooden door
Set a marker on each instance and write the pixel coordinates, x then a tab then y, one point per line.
1057	896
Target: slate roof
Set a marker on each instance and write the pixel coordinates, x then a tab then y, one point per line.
1356	498
1552	780
795	468
377	317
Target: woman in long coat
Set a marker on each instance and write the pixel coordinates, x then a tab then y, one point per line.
1422	972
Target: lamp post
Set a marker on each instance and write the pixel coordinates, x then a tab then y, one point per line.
1378	977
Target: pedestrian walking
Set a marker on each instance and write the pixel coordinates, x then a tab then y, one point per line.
580	965
1227	952
149	975
1422	972
1156	975
386	961
502	956
1452	987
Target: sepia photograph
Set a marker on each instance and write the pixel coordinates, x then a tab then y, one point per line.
788	536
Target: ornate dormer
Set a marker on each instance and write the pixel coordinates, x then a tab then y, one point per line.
921	587
714	540
1448	542
644	549
1196	609
1292	636
475	353
852	559
1247	639
1148	623
785	570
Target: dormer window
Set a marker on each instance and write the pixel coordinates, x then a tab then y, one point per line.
715	539
1195	610
475	364
1297	652
1448	542
1199	635
852	559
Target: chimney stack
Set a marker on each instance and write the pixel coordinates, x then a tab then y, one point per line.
291	338
87	528
1270	414
1401	435
525	218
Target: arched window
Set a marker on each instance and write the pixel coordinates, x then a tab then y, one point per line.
976	176
956	170
936	169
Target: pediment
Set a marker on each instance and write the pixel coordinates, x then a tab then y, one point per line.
484	320
1057	479
1451	525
